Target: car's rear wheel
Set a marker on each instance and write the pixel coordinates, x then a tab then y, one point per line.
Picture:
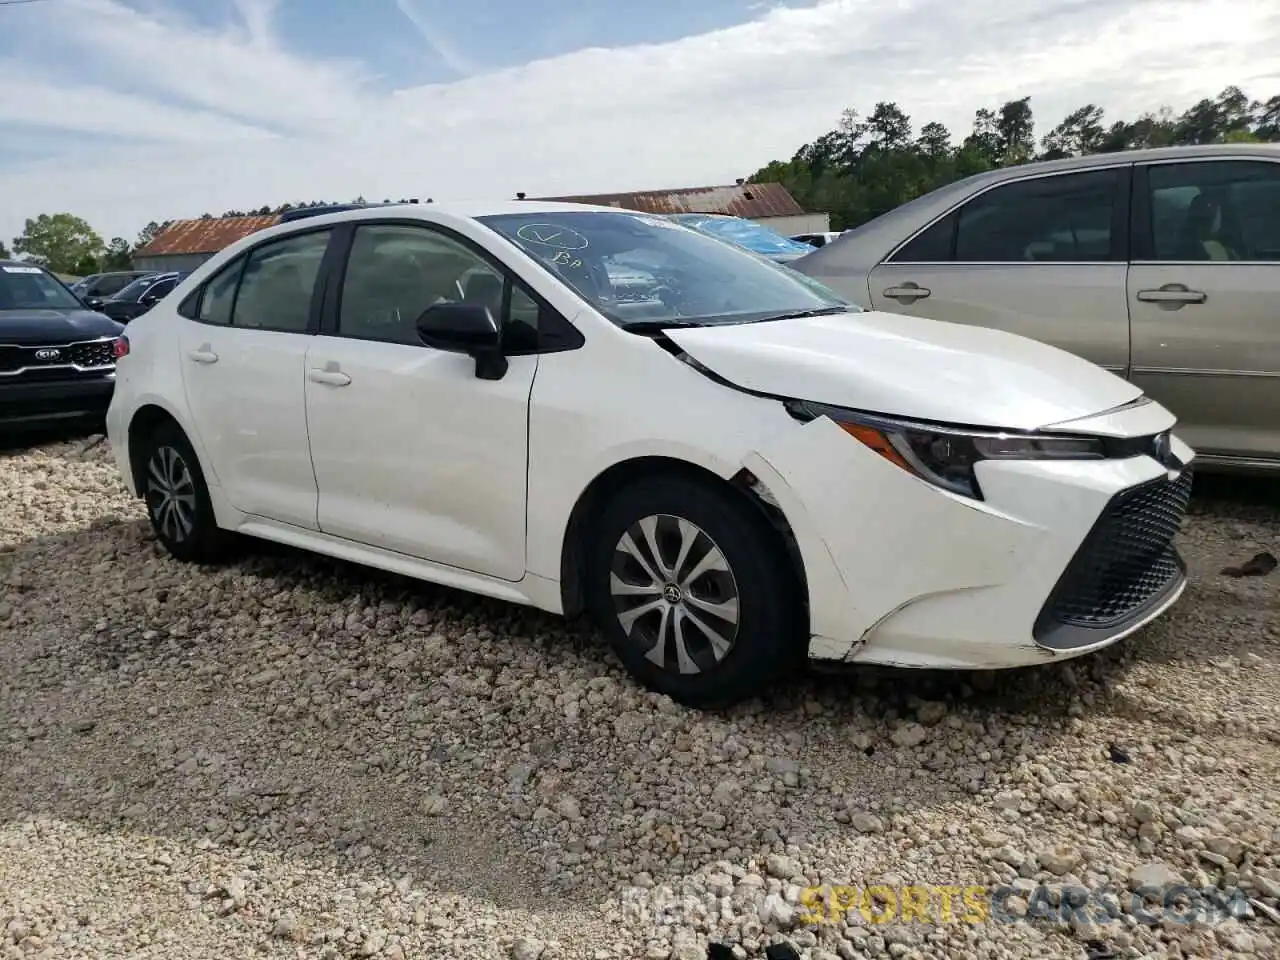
694	592
177	498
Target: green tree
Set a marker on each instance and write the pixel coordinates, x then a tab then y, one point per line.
1267	127
119	255
867	165
148	233
61	242
1015	132
4	252
1080	133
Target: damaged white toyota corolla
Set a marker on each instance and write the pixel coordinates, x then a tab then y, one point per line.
585	408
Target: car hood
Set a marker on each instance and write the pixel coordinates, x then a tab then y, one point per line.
909	367
40	327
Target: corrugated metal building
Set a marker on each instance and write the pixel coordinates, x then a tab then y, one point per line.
770	204
185	244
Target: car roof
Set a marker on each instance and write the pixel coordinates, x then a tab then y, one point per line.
860	249
435	211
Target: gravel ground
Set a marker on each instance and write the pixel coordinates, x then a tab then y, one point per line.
292	757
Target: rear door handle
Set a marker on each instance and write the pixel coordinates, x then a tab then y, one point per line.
203	355
330	375
1172	293
908	292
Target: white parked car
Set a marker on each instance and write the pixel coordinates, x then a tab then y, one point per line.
730	474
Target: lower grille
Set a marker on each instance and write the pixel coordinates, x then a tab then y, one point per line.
1126	564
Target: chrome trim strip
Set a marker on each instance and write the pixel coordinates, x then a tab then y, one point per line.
57	366
1225	460
1005	263
57	346
1203	372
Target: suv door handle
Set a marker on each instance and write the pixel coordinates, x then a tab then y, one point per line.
1172	293
330	375
910	292
203	355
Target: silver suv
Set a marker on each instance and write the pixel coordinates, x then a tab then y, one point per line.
1160	265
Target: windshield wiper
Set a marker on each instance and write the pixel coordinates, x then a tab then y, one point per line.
801	314
653	326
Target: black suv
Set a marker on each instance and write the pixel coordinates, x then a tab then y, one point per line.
140	296
98	287
57	357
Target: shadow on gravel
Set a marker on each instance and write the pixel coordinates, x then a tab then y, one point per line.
18	441
332	713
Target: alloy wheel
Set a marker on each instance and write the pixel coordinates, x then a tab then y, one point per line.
171	494
674	594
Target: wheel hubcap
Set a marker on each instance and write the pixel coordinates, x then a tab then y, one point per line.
674	594
171	493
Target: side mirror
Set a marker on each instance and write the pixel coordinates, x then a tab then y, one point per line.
150	300
465	328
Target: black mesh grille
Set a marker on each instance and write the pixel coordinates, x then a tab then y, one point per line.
1128	559
94	353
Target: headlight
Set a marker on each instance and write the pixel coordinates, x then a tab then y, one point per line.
945	456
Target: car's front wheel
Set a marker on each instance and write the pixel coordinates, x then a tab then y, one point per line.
695	592
177	498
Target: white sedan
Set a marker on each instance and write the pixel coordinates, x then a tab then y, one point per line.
731	473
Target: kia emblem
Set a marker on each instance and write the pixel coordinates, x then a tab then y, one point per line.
48	354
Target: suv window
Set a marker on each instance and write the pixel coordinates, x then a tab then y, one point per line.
1057	219
396	271
278	282
106	286
1215	210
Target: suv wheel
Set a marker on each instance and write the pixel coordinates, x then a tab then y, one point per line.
694	593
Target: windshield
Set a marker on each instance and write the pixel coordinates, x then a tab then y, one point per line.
25	287
636	268
745	233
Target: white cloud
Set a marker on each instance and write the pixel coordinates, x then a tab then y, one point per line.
256	123
436	38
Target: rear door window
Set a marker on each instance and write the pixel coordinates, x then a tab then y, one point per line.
1056	219
278	283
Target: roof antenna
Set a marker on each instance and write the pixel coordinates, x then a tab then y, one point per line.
520	196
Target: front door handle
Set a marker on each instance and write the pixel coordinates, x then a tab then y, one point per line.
330	375
1172	294
909	292
203	354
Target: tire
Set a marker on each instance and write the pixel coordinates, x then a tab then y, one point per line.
764	645
177	498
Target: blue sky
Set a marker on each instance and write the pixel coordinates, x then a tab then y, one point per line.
124	111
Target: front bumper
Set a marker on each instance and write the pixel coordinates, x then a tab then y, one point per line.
52	401
904	574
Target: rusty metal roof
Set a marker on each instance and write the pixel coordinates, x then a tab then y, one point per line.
202	236
749	200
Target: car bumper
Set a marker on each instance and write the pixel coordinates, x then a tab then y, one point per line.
901	573
48	402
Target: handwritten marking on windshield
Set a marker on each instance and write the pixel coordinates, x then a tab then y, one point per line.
549	235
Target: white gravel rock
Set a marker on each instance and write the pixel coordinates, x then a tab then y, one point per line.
287	757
